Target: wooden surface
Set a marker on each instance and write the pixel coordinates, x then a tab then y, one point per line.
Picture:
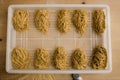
115	30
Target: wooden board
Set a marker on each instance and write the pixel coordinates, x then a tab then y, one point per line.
115	22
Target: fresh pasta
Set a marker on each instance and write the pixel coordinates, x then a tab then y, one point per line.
41	20
41	59
79	59
60	58
80	20
63	21
21	20
99	58
20	58
98	21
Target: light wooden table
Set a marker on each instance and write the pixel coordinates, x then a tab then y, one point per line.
115	30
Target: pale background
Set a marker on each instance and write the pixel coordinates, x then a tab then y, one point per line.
115	30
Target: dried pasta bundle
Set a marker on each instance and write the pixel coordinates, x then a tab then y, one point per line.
60	58
40	77
63	21
20	58
80	21
41	59
35	77
99	58
21	20
79	59
41	20
98	21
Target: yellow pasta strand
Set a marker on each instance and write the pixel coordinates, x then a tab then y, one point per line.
80	21
60	58
63	21
79	59
21	20
98	21
20	58
41	59
41	20
99	58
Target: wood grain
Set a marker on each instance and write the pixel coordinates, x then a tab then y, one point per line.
115	30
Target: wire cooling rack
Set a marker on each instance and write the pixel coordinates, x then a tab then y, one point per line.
32	38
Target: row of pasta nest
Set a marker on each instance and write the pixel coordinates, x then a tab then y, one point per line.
21	58
63	21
